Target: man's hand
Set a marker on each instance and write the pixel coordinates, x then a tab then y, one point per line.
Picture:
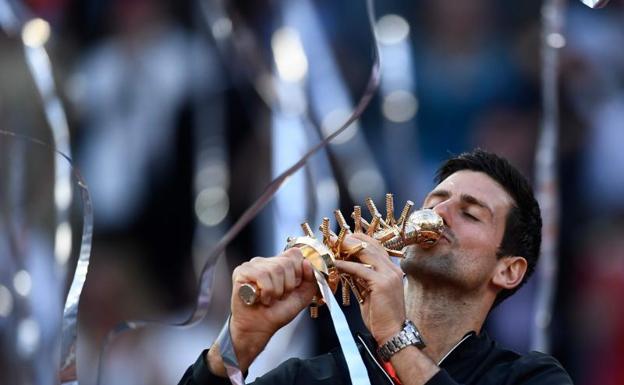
287	285
383	311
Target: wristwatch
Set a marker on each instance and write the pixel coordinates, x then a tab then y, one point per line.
409	335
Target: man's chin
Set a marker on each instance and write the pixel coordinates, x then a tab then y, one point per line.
431	266
416	251
436	257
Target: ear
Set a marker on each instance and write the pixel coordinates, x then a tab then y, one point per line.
509	272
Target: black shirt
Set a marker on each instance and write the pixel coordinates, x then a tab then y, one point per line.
476	360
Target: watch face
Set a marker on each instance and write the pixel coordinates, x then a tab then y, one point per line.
414	334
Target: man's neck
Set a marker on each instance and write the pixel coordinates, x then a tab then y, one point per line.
443	316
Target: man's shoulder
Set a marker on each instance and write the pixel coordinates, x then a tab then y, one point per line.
322	369
542	362
535	368
481	360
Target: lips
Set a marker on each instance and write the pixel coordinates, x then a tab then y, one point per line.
428	246
447	235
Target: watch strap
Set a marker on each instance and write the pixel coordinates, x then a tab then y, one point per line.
409	335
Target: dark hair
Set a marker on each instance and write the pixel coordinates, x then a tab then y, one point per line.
523	227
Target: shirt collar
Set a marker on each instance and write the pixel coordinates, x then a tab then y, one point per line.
464	338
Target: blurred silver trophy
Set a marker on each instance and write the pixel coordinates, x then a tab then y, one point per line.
595	3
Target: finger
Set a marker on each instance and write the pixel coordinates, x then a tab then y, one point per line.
308	287
258	271
304	271
262	279
308	271
245	271
377	255
290	280
293	252
276	271
303	294
373	254
295	262
357	269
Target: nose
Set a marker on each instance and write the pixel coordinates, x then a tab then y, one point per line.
443	209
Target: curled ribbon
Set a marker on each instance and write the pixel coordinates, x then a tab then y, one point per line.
67	371
207	273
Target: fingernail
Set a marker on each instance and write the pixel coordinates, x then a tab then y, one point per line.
297	281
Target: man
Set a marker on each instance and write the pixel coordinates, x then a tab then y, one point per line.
489	248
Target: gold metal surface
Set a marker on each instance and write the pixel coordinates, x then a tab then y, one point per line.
346	293
325	230
405	212
314	308
357	217
390	209
341	221
307	230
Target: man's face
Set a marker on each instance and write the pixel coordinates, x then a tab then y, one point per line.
474	208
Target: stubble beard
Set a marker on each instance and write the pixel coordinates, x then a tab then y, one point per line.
434	270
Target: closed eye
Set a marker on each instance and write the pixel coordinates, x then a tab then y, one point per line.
470	216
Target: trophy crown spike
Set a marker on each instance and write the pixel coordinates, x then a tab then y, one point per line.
307	230
346	293
405	212
341	221
363	222
314	308
374	225
357	218
372	208
341	236
390	210
325	230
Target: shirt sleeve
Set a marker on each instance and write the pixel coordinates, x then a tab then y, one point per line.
441	378
199	374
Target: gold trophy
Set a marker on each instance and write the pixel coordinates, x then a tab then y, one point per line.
423	227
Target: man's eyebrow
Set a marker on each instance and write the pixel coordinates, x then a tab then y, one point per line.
466	198
438	194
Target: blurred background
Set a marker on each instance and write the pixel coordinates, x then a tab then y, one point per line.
181	112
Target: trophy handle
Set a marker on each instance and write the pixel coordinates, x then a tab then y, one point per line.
249	293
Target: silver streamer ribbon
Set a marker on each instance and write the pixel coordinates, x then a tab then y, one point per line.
357	370
67	372
224	340
70	311
547	184
41	70
207	273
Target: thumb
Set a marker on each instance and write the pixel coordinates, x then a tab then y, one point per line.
308	272
308	287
